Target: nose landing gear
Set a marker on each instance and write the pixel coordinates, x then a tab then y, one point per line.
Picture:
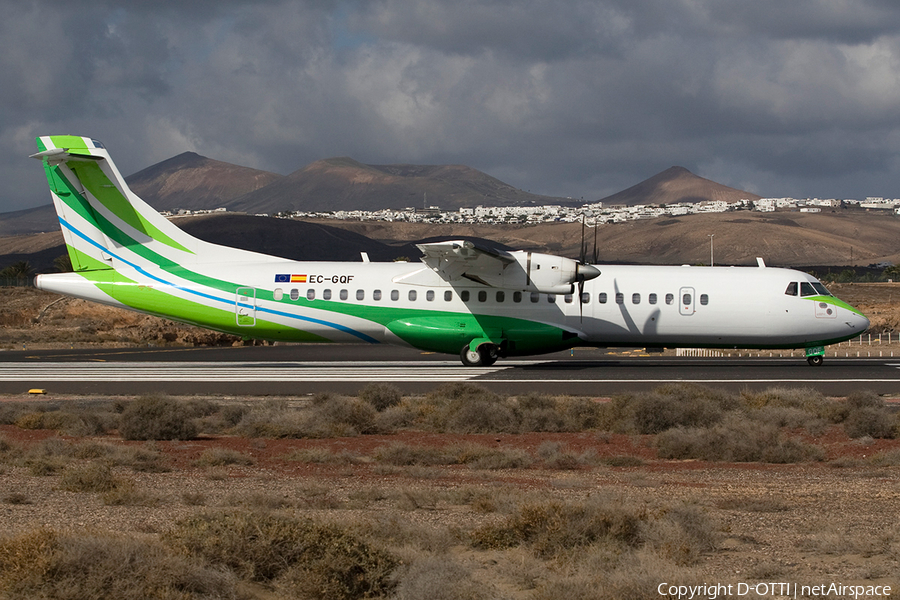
815	361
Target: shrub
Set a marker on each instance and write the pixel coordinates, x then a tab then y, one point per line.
668	406
552	528
735	440
46	564
439	578
157	418
343	416
870	421
381	395
88	477
301	557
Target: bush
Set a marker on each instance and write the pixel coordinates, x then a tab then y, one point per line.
735	440
301	557
46	564
668	406
553	528
381	395
873	422
157	418
89	477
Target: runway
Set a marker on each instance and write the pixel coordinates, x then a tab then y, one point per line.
307	369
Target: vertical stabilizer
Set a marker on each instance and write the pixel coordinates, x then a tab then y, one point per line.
98	213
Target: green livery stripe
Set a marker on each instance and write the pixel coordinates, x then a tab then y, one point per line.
86	262
79	204
95	180
146	299
835	301
68	141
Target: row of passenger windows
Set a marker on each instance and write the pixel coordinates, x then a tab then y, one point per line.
498	296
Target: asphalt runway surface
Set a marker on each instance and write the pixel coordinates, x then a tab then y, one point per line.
308	369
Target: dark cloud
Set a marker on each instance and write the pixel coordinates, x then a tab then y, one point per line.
576	98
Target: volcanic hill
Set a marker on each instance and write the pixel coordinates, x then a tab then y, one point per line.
676	184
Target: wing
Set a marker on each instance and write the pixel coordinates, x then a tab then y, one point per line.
457	259
528	271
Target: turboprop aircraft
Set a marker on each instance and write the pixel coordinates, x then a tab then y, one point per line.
462	298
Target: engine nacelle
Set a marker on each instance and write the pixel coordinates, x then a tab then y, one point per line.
545	273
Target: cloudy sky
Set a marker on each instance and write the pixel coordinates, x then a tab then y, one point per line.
577	98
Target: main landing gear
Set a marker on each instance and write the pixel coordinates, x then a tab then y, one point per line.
815	361
485	356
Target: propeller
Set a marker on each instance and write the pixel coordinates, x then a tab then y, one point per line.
584	271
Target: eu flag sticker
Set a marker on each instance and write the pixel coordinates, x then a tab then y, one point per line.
282	278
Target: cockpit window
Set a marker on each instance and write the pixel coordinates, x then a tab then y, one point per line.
806	289
791	289
823	291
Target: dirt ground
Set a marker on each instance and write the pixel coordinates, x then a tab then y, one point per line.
826	521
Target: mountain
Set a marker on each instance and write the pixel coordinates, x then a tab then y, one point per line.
31	220
195	182
345	184
676	184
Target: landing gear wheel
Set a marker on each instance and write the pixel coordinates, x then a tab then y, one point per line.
485	356
815	361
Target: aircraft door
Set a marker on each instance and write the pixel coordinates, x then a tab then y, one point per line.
686	299
245	307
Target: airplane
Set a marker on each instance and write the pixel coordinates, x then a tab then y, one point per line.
462	298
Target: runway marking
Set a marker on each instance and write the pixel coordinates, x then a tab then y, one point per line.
442	371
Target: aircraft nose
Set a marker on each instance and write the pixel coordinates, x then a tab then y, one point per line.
857	322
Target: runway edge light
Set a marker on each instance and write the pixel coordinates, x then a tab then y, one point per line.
37	391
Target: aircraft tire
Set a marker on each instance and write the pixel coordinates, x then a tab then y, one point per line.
471	359
815	361
485	356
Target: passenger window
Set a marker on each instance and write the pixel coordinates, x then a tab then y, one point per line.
585	298
344	294
295	294
620	298
326	294
501	296
535	296
635	298
310	294
517	296
278	294
448	296
464	295
704	299
567	298
602	298
686	299
360	295
395	295
482	296
670	298
806	289
429	295
791	289
551	298
376	295
651	298
412	295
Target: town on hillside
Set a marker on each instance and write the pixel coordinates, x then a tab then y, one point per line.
592	213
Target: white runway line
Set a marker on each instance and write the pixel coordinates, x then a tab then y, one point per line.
248	371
